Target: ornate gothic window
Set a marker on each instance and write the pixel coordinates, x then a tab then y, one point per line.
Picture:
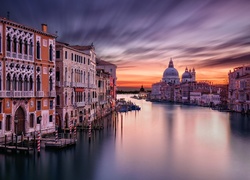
31	83
14	45
31	48
8	82
14	85
8	43
38	83
20	49
25	47
26	83
20	83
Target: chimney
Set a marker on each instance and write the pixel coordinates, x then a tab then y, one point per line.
44	28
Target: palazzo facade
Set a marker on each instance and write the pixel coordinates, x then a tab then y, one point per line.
27	58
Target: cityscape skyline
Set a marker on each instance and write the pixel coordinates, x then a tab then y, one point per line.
140	38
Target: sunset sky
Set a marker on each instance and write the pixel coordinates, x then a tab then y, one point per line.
140	36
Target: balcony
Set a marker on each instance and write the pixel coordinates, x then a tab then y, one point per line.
27	94
58	83
39	94
79	84
17	94
2	94
52	94
80	104
66	84
72	84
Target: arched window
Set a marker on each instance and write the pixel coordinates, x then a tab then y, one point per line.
50	52
26	83
20	49
57	100
8	81
38	83
38	50
31	48
50	83
31	83
14	44
8	43
20	83
25	47
31	120
14	85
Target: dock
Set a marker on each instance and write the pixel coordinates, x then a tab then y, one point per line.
15	149
61	143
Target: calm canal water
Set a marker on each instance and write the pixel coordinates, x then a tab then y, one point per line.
162	141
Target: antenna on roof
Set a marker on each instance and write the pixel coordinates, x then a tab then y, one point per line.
8	15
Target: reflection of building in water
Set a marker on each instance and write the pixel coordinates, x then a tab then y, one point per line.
186	90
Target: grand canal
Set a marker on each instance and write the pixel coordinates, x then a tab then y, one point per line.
162	141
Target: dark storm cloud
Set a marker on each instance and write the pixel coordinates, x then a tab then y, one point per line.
131	31
229	61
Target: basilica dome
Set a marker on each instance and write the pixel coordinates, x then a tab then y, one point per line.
171	75
186	74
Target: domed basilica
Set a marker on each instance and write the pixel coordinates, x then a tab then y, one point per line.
171	75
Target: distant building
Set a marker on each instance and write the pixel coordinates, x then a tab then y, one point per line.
142	93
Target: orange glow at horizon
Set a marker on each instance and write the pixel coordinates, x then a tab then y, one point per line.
147	75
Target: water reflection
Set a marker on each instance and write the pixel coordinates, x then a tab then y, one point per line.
162	141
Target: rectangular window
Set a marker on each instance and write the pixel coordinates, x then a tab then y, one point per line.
51	104
50	118
38	105
72	56
0	107
88	61
84	60
66	55
57	54
0	125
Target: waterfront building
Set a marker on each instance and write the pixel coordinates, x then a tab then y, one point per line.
27	78
71	85
239	89
90	90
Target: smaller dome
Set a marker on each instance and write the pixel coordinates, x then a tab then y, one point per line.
186	75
